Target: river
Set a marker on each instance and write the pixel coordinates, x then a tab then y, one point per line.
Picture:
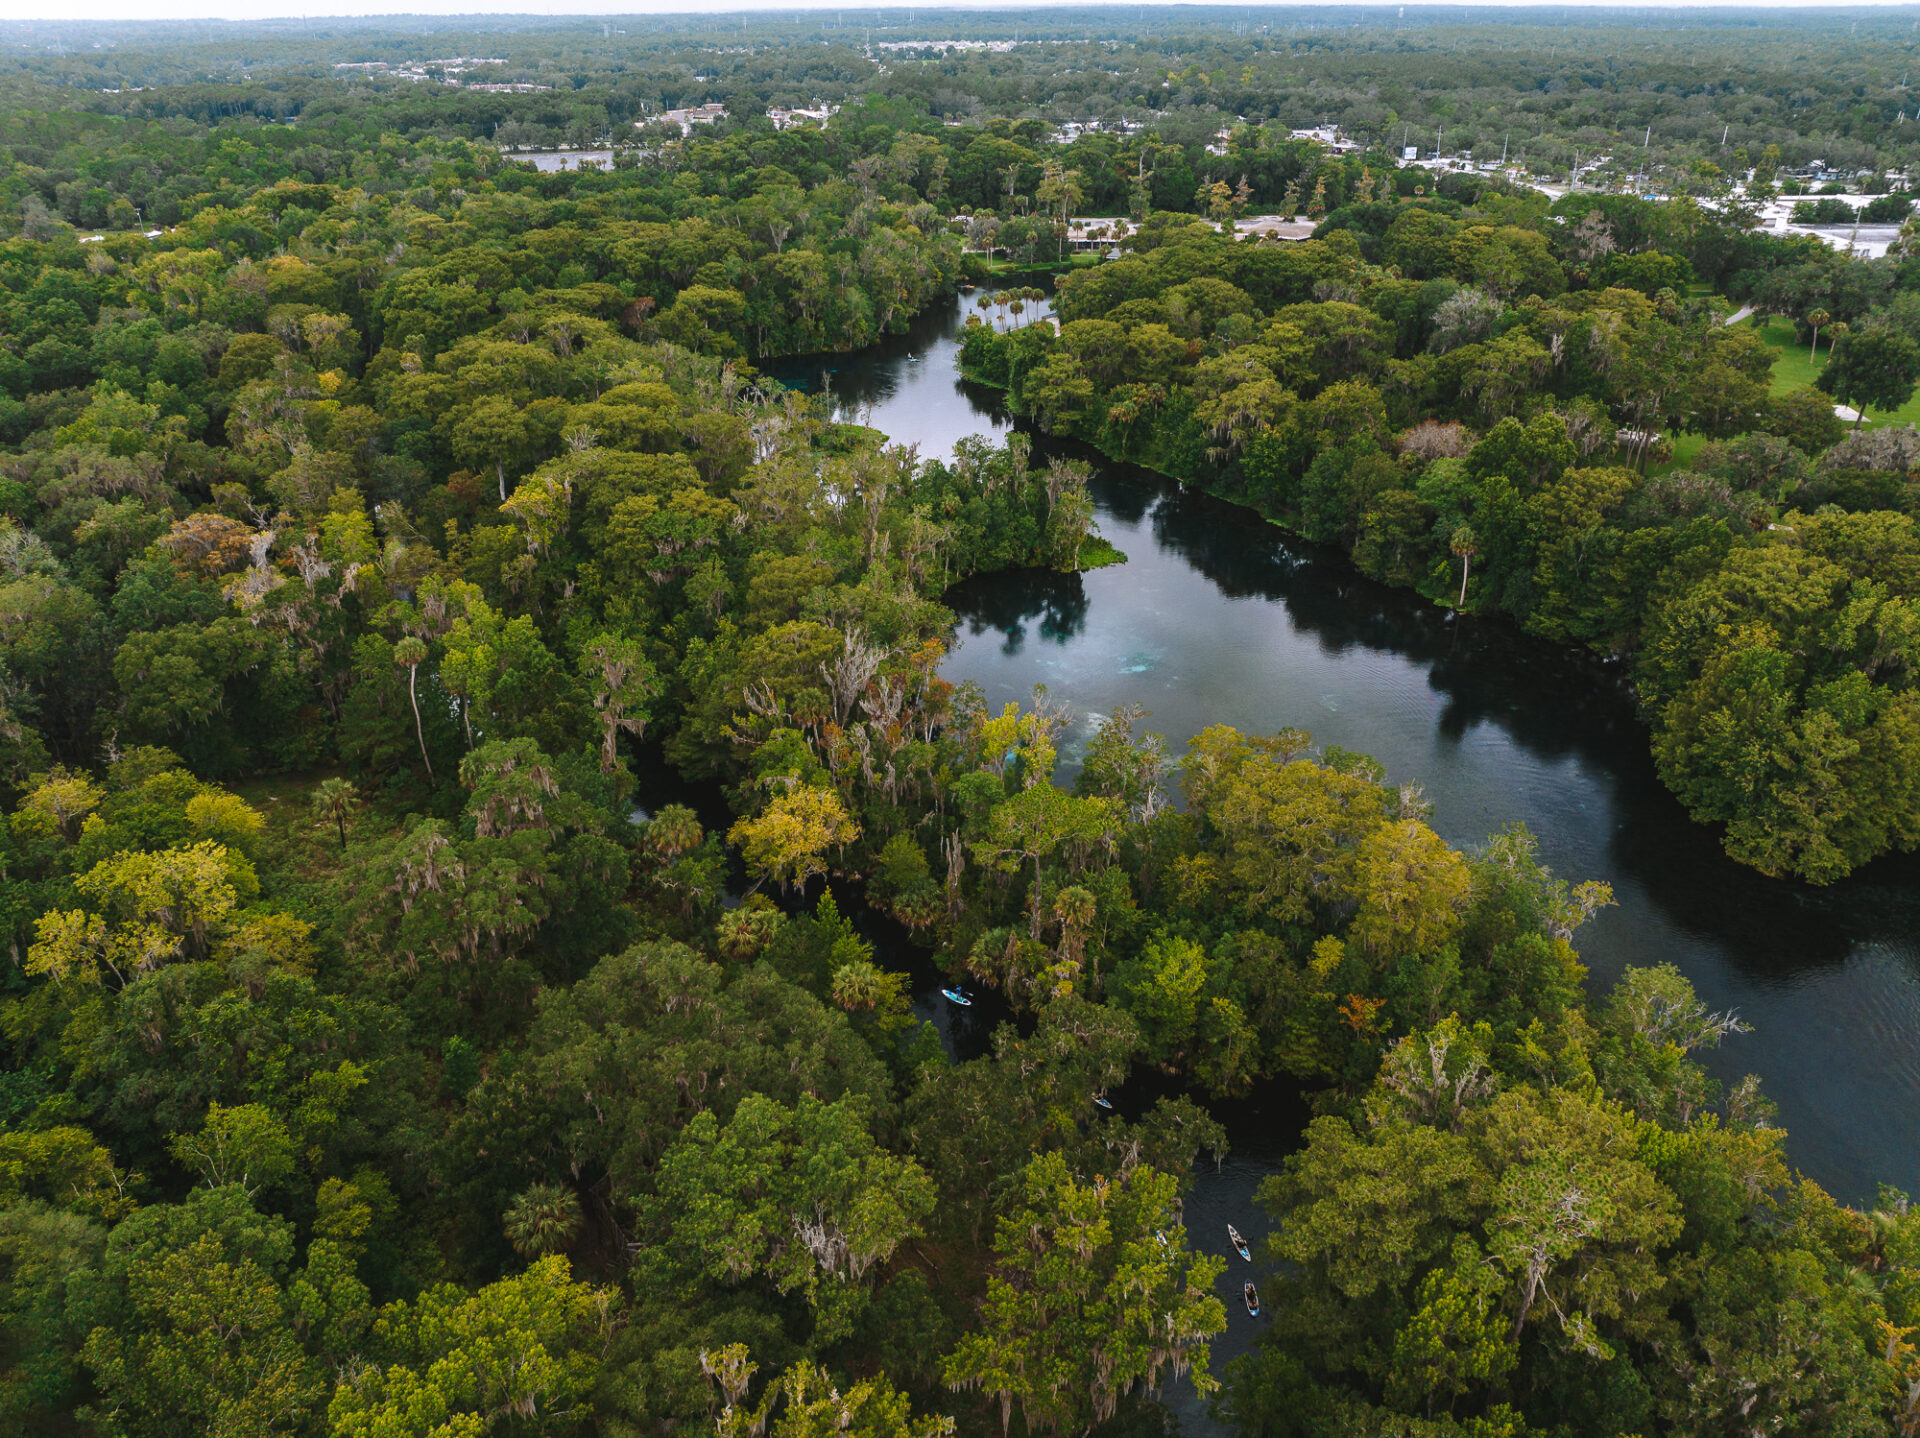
1219	617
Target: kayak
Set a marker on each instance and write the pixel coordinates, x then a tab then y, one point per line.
954	996
1239	1243
1252	1295
1104	1102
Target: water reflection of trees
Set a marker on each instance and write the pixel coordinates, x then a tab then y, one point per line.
1008	603
869	376
1556	704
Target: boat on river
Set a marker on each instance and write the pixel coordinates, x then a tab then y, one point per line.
1252	1296
957	996
1239	1245
1104	1102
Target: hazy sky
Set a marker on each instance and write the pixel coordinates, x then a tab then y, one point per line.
259	9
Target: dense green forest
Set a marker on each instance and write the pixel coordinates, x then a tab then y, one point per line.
384	1053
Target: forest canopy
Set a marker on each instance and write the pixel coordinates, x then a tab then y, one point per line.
486	821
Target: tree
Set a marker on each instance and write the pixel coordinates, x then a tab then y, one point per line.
246	1147
1457	1339
803	1197
1816	321
788	843
1786	739
1130	770
491	431
63	1166
455	1361
1188	1022
804	1402
150	909
334	801
1776	1343
194	1335
56	805
1056	391
624	686
620	1062
541	504
1464	545
1413	891
1872	367
410	653
544	1219
1036	824
537	860
1060	189
1577	1216
1086	1299
1289	827
47	1252
1363	1213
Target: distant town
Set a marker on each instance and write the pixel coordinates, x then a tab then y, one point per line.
445	72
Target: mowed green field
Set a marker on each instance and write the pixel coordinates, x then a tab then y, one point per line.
1794	368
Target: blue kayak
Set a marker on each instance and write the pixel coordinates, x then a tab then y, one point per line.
954	996
1104	1102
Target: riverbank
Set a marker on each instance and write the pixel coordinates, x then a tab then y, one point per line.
1571	545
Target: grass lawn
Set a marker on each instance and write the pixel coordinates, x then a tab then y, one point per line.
1684	449
1081	260
1794	369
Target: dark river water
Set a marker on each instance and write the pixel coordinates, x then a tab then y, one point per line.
1218	617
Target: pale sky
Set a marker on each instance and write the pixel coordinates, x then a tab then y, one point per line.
108	10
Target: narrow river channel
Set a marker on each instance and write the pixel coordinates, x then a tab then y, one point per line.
1219	617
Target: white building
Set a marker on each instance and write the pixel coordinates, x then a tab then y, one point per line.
686	119
785	119
1326	136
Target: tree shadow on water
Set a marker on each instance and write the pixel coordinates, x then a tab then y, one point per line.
1007	603
1561	706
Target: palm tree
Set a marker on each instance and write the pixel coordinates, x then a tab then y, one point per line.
542	1220
333	801
673	831
1818	319
1837	331
411	652
1465	546
860	987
